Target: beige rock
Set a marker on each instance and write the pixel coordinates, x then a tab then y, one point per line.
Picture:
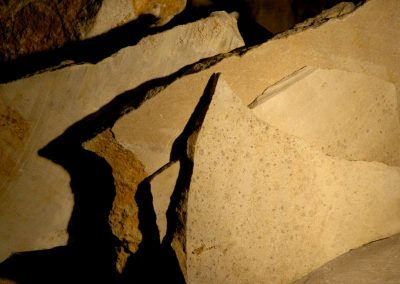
36	110
114	13
162	187
29	26
344	114
377	262
265	207
364	41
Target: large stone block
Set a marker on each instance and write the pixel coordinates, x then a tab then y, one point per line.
36	110
264	207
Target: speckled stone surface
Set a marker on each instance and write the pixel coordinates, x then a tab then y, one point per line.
364	41
265	207
344	114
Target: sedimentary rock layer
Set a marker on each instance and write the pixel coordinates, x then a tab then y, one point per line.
38	109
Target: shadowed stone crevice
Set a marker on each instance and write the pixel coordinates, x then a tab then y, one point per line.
89	254
95	49
182	151
91	50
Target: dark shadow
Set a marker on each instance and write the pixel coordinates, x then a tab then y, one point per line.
91	50
90	254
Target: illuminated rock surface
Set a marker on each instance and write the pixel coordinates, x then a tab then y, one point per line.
32	26
377	262
36	110
344	114
265	207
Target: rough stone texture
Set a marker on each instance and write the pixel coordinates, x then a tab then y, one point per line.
364	41
344	114
30	26
265	207
374	263
50	102
114	13
128	172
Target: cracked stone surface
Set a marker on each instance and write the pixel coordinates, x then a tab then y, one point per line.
31	26
373	263
38	109
263	206
344	114
364	41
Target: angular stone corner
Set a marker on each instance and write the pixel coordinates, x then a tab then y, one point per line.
263	206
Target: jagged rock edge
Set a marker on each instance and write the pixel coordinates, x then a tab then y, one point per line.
318	20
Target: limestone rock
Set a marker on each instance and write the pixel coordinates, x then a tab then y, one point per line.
265	207
364	41
344	114
38	109
31	26
377	262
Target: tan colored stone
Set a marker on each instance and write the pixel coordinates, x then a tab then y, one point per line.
364	41
265	207
166	8
344	114
128	172
50	102
29	26
373	263
162	187
114	13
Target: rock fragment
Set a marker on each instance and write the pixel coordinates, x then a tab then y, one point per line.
263	206
51	102
128	172
377	262
32	26
344	114
354	42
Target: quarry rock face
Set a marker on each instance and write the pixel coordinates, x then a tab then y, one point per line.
33	26
38	109
264	207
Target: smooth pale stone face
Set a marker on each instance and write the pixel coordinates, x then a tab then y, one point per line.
377	262
38	109
344	114
265	207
